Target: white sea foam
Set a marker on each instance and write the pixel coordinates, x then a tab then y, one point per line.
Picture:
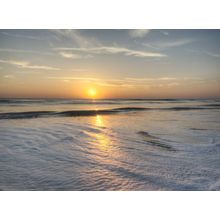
136	150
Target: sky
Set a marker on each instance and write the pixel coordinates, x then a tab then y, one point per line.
110	63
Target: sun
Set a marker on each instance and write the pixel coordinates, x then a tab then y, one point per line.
92	92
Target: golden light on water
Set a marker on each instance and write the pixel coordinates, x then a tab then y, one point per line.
104	142
99	121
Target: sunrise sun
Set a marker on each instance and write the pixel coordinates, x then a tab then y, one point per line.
92	92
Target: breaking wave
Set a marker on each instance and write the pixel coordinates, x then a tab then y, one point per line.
78	113
155	141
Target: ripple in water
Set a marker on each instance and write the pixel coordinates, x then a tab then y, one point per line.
136	150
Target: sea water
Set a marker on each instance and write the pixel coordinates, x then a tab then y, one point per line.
57	144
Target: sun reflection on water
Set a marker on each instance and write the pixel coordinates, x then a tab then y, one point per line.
104	145
104	142
99	121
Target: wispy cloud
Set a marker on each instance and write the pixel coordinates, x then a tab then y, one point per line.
167	78
213	54
21	36
156	82
10	50
113	50
126	82
138	33
91	46
151	79
165	33
168	44
130	79
95	81
8	76
176	43
73	78
75	36
27	65
173	84
209	53
114	84
79	70
164	81
71	55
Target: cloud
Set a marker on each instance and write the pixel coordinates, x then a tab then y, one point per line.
173	84
154	82
213	54
139	79
205	53
152	46
138	33
73	78
176	43
167	78
95	81
8	76
162	81
151	79
165	33
112	50
75	36
70	55
27	65
22	36
91	46
66	80
79	70
168	44
132	82
9	50
114	84
125	82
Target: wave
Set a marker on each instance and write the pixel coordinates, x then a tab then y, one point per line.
77	113
198	129
155	141
185	108
37	114
22	102
213	105
97	101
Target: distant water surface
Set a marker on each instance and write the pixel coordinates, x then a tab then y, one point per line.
171	144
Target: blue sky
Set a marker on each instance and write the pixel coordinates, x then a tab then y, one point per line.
116	63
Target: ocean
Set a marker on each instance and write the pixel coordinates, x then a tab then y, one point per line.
118	144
